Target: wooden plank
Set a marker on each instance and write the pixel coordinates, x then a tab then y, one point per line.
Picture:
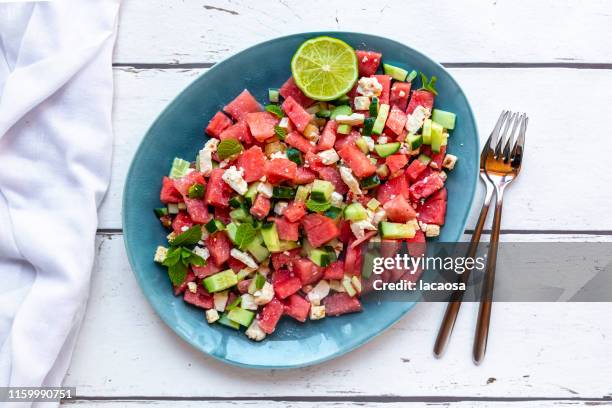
165	31
535	350
563	146
333	404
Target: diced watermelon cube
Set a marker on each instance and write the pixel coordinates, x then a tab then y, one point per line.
241	105
422	98
287	231
298	141
340	303
400	92
261	206
359	163
334	271
284	288
218	192
235	265
307	271
399	209
368	62
169	193
313	161
219	246
426	187
270	315
218	124
190	277
253	161
332	175
425	173
433	210
200	299
417	245
181	220
345	140
198	210
395	163
393	187
295	211
280	169
204	271
238	131
396	120
304	176
319	229
290	89
285	258
438	158
328	136
415	168
184	183
296	113
353	259
223	215
297	307
261	125
385	81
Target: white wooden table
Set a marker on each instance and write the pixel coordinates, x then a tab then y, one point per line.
552	59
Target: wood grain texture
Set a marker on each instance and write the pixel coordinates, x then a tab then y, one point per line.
535	350
163	31
566	163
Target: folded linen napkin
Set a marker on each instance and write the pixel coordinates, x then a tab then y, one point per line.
56	93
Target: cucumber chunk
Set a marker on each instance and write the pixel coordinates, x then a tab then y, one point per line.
368	125
394	230
381	119
437	132
387	149
341	110
270	237
370	182
283	192
414	141
322	257
256	248
396	73
294	155
249	196
444	118
224	320
427	131
374	107
241	316
321	191
220	281
355	212
344	129
273	95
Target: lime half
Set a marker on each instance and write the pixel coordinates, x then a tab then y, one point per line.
324	68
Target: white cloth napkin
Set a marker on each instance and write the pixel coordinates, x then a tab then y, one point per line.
56	91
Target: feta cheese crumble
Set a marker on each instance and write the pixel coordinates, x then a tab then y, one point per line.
205	156
160	254
329	156
347	176
264	295
203	253
318	292
254	332
265	189
280	207
417	118
317	312
248	302
244	258
361	103
359	228
369	87
212	316
449	161
192	287
233	178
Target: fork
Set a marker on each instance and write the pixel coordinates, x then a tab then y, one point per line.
502	165
454	304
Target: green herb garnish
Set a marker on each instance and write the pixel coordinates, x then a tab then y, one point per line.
275	110
429	85
196	191
280	132
189	237
178	260
228	148
245	234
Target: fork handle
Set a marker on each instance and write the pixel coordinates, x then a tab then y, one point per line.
486	301
454	303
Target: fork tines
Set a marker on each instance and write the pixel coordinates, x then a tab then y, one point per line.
502	141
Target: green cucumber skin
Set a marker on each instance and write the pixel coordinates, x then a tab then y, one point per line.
444	118
381	119
220	281
387	149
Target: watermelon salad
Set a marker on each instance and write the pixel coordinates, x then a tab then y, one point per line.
271	218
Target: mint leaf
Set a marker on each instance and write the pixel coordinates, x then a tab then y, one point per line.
429	85
245	234
173	256
188	257
275	110
177	273
196	191
189	237
280	132
228	148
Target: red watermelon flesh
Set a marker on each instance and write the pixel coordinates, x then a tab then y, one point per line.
218	192
243	286
218	124
400	92
270	315
238	131
307	271
328	136
287	231
198	211
241	105
235	265
261	125
304	176
299	142
290	89
396	120
340	303
169	193
392	188
353	259
433	211
253	161
313	161
385	81
426	187
297	307
280	169
368	62
201	298
334	271
422	98
438	158
417	245
287	287
181	220
190	277
282	259
399	209
342	141
182	184
295	211
261	206
204	271
296	113
319	229
415	168
332	175
395	163
357	161
219	246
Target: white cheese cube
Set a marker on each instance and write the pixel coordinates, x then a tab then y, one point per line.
182	206
317	312
329	156
280	207
220	300
264	295
318	292
233	178
359	228
244	258
432	230
192	287
173	208
369	87
278	155
361	103
248	302
383	140
206	162
265	189
211	145
347	176
254	332
417	118
212	316
160	254
203	253
337	199
449	161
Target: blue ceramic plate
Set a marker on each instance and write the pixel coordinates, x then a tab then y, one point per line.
178	132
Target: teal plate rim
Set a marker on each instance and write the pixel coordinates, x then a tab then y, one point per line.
470	186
